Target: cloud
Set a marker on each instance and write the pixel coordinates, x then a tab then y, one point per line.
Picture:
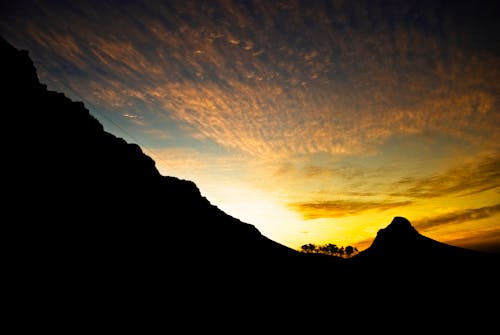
273	79
458	217
341	208
467	179
344	170
487	240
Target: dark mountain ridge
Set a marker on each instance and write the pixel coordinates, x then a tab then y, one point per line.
72	170
402	237
89	210
400	246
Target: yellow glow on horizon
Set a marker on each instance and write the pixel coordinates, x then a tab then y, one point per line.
260	193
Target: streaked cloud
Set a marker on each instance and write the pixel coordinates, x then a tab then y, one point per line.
458	217
464	179
132	116
487	240
341	208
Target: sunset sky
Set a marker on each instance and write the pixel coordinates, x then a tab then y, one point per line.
315	121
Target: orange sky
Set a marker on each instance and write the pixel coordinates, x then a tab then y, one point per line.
317	122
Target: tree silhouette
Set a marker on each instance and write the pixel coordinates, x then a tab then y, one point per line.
350	250
308	248
330	249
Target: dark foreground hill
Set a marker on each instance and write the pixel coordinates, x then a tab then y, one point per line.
90	191
92	221
85	203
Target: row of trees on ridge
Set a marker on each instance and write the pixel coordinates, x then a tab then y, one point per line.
329	249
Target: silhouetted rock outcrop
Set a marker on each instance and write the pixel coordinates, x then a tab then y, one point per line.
400	240
400	252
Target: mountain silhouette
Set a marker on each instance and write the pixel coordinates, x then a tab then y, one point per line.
92	219
400	235
99	188
417	274
400	247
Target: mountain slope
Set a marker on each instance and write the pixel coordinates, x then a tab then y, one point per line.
400	239
400	251
86	198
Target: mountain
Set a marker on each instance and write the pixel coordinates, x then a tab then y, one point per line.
401	257
91	221
400	240
86	187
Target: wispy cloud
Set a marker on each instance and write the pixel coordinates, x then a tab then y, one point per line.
487	240
468	178
341	208
458	217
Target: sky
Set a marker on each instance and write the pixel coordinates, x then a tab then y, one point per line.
314	121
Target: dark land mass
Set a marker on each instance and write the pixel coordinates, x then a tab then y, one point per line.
93	226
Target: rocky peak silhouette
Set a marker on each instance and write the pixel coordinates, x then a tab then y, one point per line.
19	70
398	234
400	223
399	228
401	246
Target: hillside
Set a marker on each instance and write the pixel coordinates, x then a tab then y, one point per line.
62	162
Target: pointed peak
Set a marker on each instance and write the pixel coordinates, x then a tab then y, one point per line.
400	223
399	231
400	226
